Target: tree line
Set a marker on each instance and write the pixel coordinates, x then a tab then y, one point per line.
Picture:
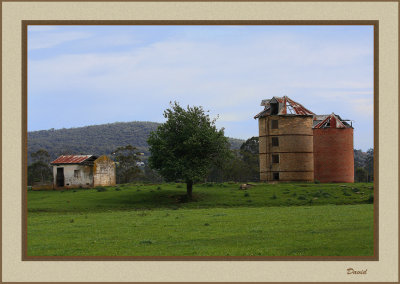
188	148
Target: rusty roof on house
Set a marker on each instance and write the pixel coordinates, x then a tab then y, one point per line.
72	159
286	106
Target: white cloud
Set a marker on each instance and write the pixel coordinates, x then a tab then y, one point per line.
229	79
35	28
364	106
47	40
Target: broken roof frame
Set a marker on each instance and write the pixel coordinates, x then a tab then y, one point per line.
287	104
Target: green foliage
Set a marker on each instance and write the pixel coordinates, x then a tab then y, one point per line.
40	171
369	164
126	159
361	175
186	145
150	175
101	189
41	155
241	166
364	165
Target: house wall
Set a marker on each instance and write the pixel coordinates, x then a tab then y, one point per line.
295	149
104	172
333	155
84	179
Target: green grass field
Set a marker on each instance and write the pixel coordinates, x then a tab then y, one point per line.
140	220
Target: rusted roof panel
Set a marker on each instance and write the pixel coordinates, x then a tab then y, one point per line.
333	118
286	106
71	159
298	108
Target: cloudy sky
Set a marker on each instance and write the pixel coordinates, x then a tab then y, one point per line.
85	75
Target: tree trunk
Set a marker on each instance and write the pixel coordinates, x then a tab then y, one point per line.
189	188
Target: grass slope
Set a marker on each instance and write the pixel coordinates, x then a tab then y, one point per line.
155	220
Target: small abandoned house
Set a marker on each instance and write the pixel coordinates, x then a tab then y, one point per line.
295	144
74	171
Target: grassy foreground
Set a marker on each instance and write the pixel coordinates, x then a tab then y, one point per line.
269	220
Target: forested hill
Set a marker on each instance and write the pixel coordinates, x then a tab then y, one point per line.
96	139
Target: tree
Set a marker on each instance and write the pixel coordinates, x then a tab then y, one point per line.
39	170
251	158
126	159
369	164
187	145
242	165
361	175
151	175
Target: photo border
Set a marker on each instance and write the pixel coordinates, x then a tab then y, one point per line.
26	23
397	137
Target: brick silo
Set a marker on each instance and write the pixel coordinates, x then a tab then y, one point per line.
285	141
333	150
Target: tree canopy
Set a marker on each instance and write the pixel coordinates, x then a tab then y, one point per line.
187	145
39	171
126	159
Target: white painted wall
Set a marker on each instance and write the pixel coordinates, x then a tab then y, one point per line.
84	179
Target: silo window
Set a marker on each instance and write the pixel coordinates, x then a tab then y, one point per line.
274	124
274	108
275	159
275	176
275	141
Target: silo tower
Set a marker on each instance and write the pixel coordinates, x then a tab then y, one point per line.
285	141
333	149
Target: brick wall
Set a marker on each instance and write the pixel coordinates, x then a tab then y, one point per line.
295	149
333	155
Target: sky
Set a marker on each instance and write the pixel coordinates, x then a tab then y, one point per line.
86	75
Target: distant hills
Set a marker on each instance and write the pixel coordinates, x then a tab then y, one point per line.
96	139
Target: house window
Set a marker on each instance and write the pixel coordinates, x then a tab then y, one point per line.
275	141
274	124
275	159
76	174
275	176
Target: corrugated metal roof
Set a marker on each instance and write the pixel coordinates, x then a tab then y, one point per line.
71	159
326	123
286	106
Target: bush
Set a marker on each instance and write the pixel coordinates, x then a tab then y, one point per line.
246	194
101	189
179	186
371	199
317	181
158	187
345	193
274	196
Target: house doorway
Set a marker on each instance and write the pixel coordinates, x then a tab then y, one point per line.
60	177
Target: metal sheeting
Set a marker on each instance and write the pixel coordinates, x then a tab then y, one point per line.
71	159
285	106
333	118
